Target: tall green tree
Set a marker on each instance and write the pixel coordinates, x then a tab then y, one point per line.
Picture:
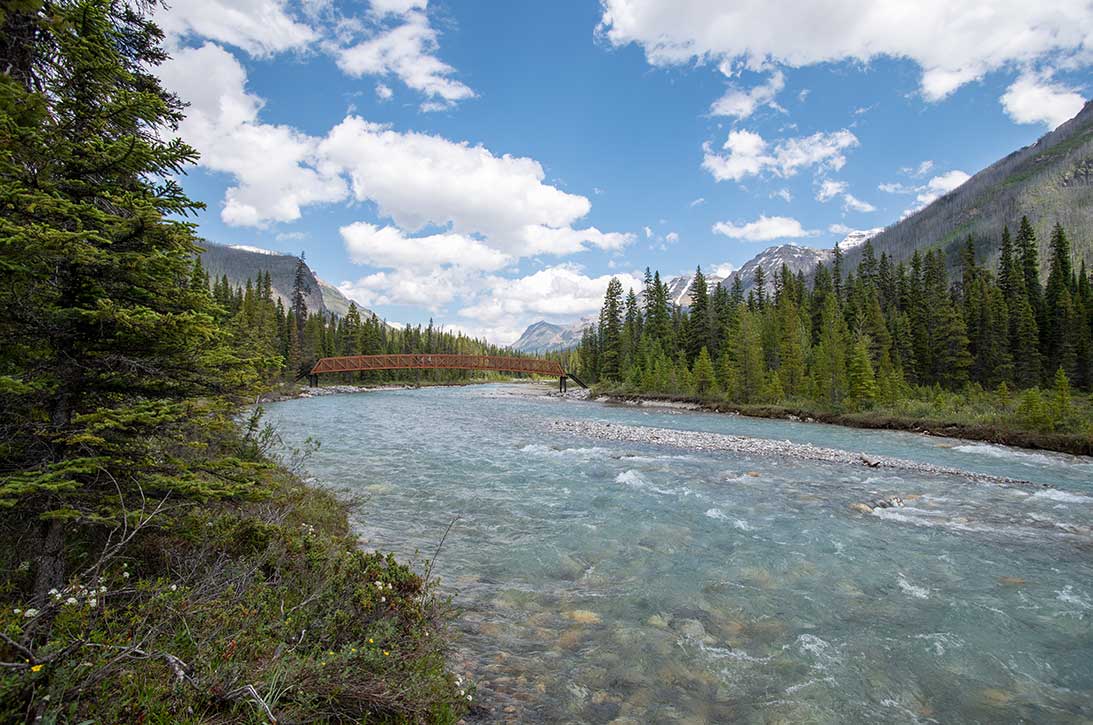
108	344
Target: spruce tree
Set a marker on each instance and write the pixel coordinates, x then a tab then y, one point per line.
700	329
861	383
611	332
108	339
829	357
703	373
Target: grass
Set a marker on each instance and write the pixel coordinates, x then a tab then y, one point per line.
231	612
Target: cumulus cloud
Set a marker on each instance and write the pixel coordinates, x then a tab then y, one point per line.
389	247
407	51
741	103
562	291
936	187
830	189
259	27
420	179
1035	98
952	43
749	154
763	229
276	168
724	269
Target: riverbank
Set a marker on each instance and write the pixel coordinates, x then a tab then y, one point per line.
264	605
1074	444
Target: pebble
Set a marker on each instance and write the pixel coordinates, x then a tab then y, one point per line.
703	441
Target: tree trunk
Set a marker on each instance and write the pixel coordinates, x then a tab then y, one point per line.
51	563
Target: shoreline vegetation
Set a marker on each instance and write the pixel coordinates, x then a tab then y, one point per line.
159	565
988	353
986	432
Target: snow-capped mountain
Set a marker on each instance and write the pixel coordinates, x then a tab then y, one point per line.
679	288
771	259
543	336
858	237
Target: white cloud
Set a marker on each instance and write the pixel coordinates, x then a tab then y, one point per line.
783	194
839	229
396	7
698	202
384	92
830	188
1036	98
933	189
407	51
671	237
419	179
561	292
389	247
749	154
763	229
741	103
648	232
276	168
952	43
724	269
260	27
431	290
853	203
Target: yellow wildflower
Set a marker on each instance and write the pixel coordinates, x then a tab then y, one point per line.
386	653
36	668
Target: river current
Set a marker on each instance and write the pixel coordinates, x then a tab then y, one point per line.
603	581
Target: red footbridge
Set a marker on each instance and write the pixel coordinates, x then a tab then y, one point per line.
427	361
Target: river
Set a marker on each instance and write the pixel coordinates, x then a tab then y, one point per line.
606	580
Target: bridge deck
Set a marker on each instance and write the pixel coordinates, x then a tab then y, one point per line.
425	361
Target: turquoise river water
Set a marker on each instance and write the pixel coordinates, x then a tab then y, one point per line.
605	581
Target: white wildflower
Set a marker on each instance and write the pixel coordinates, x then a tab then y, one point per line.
92	602
30	613
174	588
70	601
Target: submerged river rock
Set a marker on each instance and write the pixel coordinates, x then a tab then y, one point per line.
718	574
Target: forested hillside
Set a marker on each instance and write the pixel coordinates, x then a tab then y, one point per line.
894	336
289	339
1050	182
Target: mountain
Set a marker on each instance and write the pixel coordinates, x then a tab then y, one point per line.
241	262
545	336
857	237
1049	181
679	288
771	259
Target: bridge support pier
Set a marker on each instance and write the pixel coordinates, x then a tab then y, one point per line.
561	384
313	381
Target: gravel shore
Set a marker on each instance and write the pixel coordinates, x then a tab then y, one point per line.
702	441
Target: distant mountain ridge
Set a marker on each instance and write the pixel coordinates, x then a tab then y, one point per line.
242	262
1049	181
543	336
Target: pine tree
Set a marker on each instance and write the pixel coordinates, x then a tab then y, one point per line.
105	334
747	356
861	384
829	358
700	327
611	332
1057	335
703	373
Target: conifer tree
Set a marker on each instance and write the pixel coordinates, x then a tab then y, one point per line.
747	357
611	332
703	373
861	383
829	359
700	329
107	334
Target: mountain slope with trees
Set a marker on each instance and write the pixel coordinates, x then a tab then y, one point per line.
1049	182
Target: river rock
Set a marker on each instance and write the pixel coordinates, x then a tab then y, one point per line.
863	508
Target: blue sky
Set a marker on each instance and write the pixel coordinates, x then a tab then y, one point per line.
493	164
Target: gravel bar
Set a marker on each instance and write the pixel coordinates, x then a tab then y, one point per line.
707	442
